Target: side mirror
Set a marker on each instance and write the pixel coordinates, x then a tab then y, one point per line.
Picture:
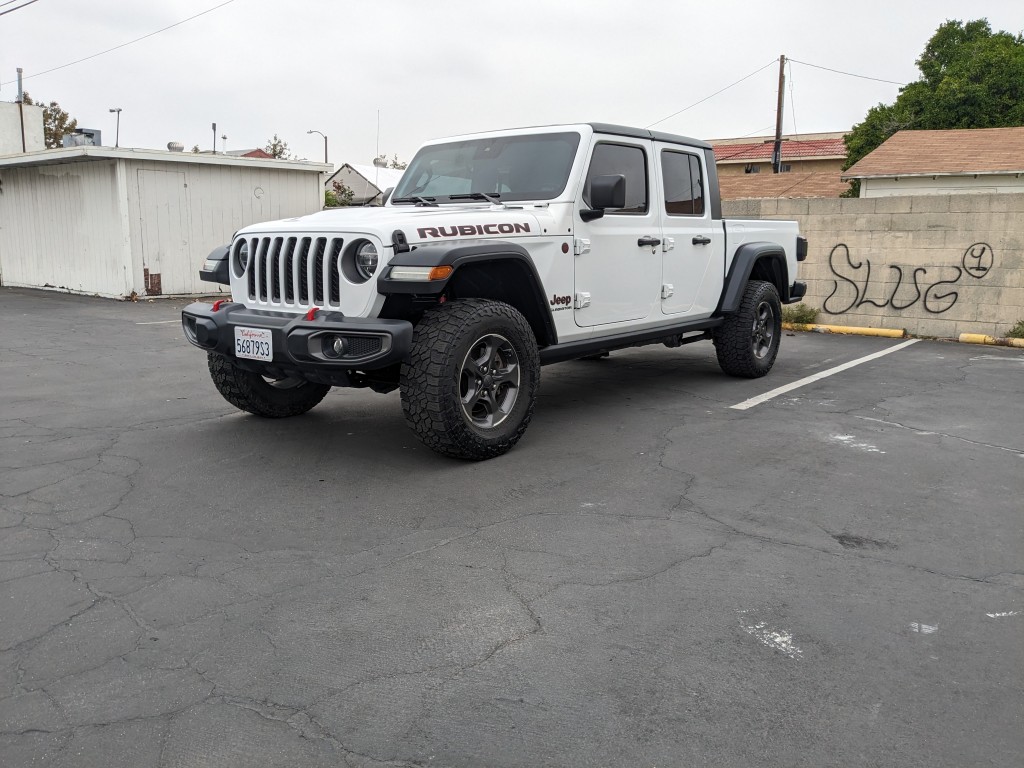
605	192
386	196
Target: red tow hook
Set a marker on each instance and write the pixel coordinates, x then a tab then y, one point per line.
218	302
311	315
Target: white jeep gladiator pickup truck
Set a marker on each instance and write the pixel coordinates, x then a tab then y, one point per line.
496	254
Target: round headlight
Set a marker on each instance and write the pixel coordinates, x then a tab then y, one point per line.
366	260
242	257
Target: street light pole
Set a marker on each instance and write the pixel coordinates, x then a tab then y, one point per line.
117	133
325	143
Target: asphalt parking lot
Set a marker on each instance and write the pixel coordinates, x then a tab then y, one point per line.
834	576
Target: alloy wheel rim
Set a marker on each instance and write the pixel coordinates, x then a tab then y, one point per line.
764	330
489	381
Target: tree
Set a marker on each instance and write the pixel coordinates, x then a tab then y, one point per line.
195	149
278	148
383	162
56	122
971	77
341	195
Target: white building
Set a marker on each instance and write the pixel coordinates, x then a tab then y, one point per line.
113	222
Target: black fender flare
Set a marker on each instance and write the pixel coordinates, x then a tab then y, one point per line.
465	254
747	256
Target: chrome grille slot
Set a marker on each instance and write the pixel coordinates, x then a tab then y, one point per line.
302	267
288	270
274	270
334	271
318	270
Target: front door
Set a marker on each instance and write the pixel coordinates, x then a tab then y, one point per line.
163	208
617	278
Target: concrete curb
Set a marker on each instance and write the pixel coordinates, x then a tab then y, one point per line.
980	338
889	333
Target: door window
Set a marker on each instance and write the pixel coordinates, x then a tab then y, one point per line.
684	184
629	161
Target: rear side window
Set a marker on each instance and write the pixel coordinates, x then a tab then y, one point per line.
629	161
684	184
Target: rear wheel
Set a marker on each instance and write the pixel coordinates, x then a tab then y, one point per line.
747	343
263	396
471	380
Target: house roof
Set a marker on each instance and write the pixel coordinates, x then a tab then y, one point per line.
768	185
832	147
945	153
381	178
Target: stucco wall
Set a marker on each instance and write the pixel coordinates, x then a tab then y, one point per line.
934	265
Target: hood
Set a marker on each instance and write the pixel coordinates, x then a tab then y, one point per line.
420	225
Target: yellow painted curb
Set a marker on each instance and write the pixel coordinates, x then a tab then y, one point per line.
980	338
889	333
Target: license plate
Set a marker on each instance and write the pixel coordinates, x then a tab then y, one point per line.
254	343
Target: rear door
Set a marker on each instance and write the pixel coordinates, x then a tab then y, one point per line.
617	278
692	243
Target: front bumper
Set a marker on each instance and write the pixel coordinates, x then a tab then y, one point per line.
302	347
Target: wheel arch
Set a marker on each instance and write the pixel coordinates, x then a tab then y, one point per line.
496	270
754	261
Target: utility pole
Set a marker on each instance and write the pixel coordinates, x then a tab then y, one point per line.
777	149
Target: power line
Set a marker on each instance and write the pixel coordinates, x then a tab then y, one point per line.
122	45
18	8
848	74
9	2
684	109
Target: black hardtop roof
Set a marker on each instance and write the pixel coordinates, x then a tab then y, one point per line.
644	133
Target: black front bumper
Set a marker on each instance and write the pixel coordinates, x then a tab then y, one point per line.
302	347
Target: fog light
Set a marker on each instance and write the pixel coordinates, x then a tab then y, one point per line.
335	346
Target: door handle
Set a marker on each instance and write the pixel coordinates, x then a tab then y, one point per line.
701	240
652	241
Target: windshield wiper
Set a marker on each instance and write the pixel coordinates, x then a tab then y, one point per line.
423	201
491	197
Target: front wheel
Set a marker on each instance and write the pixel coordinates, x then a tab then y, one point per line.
747	343
273	398
471	380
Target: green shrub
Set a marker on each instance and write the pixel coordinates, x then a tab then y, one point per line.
1017	332
800	314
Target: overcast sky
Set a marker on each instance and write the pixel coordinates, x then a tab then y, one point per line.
257	67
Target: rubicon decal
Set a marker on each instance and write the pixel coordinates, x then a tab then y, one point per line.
472	230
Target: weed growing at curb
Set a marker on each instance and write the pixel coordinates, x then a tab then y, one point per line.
1017	332
800	314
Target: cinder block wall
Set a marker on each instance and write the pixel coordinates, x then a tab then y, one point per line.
934	265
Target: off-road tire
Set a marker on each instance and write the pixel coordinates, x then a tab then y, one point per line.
251	392
747	343
441	398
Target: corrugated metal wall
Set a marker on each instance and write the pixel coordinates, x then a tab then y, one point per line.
111	227
60	227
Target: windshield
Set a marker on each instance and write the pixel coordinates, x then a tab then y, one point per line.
534	167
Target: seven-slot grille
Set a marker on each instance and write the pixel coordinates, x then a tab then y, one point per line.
295	271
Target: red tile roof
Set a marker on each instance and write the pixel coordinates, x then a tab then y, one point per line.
792	149
758	185
963	151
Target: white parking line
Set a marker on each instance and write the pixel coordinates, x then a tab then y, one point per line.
159	322
818	376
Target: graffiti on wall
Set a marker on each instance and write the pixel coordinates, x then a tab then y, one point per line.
853	286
